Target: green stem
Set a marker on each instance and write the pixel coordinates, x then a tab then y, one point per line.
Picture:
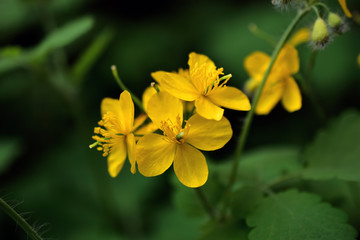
206	204
316	11
124	88
30	231
320	4
245	130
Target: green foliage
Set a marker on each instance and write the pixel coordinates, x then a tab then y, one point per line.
9	149
298	216
65	35
225	231
264	164
58	38
335	152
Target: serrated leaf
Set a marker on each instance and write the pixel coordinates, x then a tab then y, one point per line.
335	152
298	216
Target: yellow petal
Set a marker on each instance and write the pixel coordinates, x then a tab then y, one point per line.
176	85
344	7
139	120
199	59
116	158
230	97
146	129
291	99
288	61
154	155
300	36
148	93
256	64
130	144
208	134
207	109
110	105
190	166
270	96
251	85
163	107
126	115
201	64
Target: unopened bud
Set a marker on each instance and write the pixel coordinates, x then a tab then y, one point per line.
320	33
337	23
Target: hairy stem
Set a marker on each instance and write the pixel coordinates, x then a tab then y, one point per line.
249	117
30	231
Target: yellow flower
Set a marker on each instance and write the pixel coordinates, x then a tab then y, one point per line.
344	7
179	145
115	135
279	84
300	36
358	60
203	85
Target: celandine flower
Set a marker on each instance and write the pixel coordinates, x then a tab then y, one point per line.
203	85
344	7
179	144
280	85
115	135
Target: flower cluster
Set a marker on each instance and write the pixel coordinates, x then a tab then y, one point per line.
178	140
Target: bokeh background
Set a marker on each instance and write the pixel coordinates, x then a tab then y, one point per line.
55	59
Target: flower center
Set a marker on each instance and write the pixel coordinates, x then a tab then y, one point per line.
108	134
173	131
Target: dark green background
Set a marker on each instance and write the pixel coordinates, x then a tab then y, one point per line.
48	112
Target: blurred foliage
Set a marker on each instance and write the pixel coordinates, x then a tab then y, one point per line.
55	59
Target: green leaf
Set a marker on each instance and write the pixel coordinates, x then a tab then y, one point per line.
226	231
298	216
65	35
9	149
335	152
264	164
245	200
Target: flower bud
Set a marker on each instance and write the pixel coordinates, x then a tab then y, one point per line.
320	33
337	23
334	20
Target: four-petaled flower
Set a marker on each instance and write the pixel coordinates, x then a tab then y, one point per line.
115	135
179	143
203	85
280	85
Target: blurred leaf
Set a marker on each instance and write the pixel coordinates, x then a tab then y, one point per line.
186	199
298	216
9	149
335	152
174	225
56	39
10	51
226	231
65	35
91	54
245	200
264	164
